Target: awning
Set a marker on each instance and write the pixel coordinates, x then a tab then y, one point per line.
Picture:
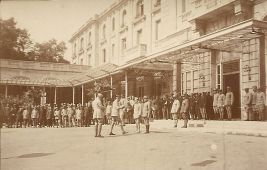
215	40
93	74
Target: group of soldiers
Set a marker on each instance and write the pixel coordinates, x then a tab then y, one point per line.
136	110
140	109
65	115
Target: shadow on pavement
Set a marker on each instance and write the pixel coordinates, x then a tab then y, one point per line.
31	155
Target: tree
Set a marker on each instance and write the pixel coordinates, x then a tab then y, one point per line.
14	41
50	51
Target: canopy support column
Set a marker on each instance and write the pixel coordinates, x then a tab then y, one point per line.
73	95
126	85
6	90
55	97
111	84
82	94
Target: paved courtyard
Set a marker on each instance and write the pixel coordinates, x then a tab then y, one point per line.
170	149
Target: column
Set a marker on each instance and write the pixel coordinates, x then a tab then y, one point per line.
82	93
176	77
126	85
6	91
73	95
213	69
55	98
111	83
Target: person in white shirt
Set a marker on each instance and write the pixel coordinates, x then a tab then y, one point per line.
98	115
175	110
108	112
247	100
215	104
137	107
229	101
115	115
220	104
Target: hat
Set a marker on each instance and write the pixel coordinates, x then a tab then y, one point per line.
99	95
145	97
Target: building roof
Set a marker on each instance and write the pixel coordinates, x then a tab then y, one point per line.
32	73
95	73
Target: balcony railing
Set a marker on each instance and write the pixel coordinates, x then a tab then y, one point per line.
135	52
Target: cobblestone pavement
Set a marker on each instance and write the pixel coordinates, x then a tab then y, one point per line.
163	148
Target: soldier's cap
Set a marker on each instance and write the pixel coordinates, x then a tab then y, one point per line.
228	87
117	95
136	98
145	97
100	95
246	88
254	87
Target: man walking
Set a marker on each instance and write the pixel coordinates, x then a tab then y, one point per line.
115	115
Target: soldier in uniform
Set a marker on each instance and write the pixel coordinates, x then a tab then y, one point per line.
146	111
175	110
215	104
122	111
98	115
115	115
247	100
137	109
229	101
260	104
254	101
185	109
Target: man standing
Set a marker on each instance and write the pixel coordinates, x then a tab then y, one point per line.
185	109
123	103
247	105
229	101
115	115
220	104
260	104
175	109
146	111
215	103
98	115
202	105
254	101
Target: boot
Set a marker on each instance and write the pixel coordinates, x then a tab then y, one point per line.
185	123
99	130
96	130
148	128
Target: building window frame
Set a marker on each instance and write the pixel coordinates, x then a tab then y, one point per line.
123	19
104	53
139	8
104	31
157	29
113	24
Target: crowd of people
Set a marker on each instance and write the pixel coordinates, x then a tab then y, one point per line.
121	110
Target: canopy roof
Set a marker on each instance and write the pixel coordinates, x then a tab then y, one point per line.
95	73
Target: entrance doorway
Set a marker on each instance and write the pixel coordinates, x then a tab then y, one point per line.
232	79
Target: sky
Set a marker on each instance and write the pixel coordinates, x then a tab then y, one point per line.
48	19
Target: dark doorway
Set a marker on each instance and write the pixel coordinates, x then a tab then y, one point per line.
233	80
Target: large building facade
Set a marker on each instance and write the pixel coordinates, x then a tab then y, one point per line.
159	47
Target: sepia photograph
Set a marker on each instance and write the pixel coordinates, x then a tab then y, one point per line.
133	84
